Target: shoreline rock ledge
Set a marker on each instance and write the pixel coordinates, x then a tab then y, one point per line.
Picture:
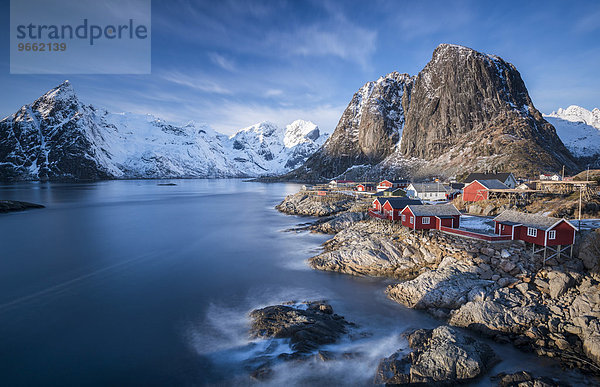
14	205
440	356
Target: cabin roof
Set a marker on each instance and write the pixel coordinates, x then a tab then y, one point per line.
492	184
434	210
487	176
430	187
399	203
538	221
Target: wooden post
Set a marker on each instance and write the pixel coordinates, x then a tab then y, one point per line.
571	250
559	251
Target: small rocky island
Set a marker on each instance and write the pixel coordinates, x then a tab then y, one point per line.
13	205
499	290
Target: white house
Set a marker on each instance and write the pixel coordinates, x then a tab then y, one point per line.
505	177
428	191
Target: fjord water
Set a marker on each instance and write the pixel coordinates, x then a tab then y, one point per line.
134	283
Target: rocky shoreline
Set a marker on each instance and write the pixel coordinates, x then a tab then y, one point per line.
500	290
13	205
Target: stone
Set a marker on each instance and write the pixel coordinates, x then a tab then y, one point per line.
440	355
307	328
446	287
559	283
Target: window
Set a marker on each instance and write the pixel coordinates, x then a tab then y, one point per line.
532	232
403	218
412	220
425	220
552	234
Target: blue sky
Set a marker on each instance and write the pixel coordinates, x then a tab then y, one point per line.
235	63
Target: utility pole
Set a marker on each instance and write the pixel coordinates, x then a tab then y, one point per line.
587	176
563	174
580	189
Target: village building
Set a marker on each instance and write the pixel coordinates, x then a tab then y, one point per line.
552	177
429	191
341	183
385	184
394	192
526	186
480	189
365	187
390	207
506	178
430	217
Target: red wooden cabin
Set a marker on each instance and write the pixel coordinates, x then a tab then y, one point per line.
479	189
537	229
385	184
365	187
430	217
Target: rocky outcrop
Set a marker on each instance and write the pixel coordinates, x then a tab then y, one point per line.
306	326
589	250
338	223
310	204
440	356
13	205
448	287
525	379
377	249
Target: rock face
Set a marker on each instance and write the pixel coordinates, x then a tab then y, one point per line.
525	379
308	326
367	132
309	204
12	205
440	356
464	111
467	101
446	288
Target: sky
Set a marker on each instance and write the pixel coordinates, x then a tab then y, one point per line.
232	64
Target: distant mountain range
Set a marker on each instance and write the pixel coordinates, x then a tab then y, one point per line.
59	138
578	128
464	112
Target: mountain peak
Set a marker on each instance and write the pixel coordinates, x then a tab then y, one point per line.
576	113
64	91
300	131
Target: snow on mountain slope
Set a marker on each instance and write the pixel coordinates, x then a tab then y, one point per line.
57	137
578	128
265	148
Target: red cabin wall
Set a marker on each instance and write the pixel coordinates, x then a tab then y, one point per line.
521	233
470	193
408	214
565	235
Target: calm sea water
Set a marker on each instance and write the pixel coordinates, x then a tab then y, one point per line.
131	283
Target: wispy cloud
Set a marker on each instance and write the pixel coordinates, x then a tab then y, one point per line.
198	82
221	61
273	93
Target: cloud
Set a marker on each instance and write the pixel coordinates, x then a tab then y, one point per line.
222	62
197	82
273	93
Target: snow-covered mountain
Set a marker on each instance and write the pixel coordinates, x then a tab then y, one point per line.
578	128
58	137
265	148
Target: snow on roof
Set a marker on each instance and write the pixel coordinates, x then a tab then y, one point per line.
492	184
434	210
529	220
430	187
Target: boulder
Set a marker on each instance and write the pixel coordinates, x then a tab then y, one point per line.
308	325
447	287
439	356
525	379
559	283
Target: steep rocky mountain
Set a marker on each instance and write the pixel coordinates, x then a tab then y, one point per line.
59	138
367	132
578	128
465	111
